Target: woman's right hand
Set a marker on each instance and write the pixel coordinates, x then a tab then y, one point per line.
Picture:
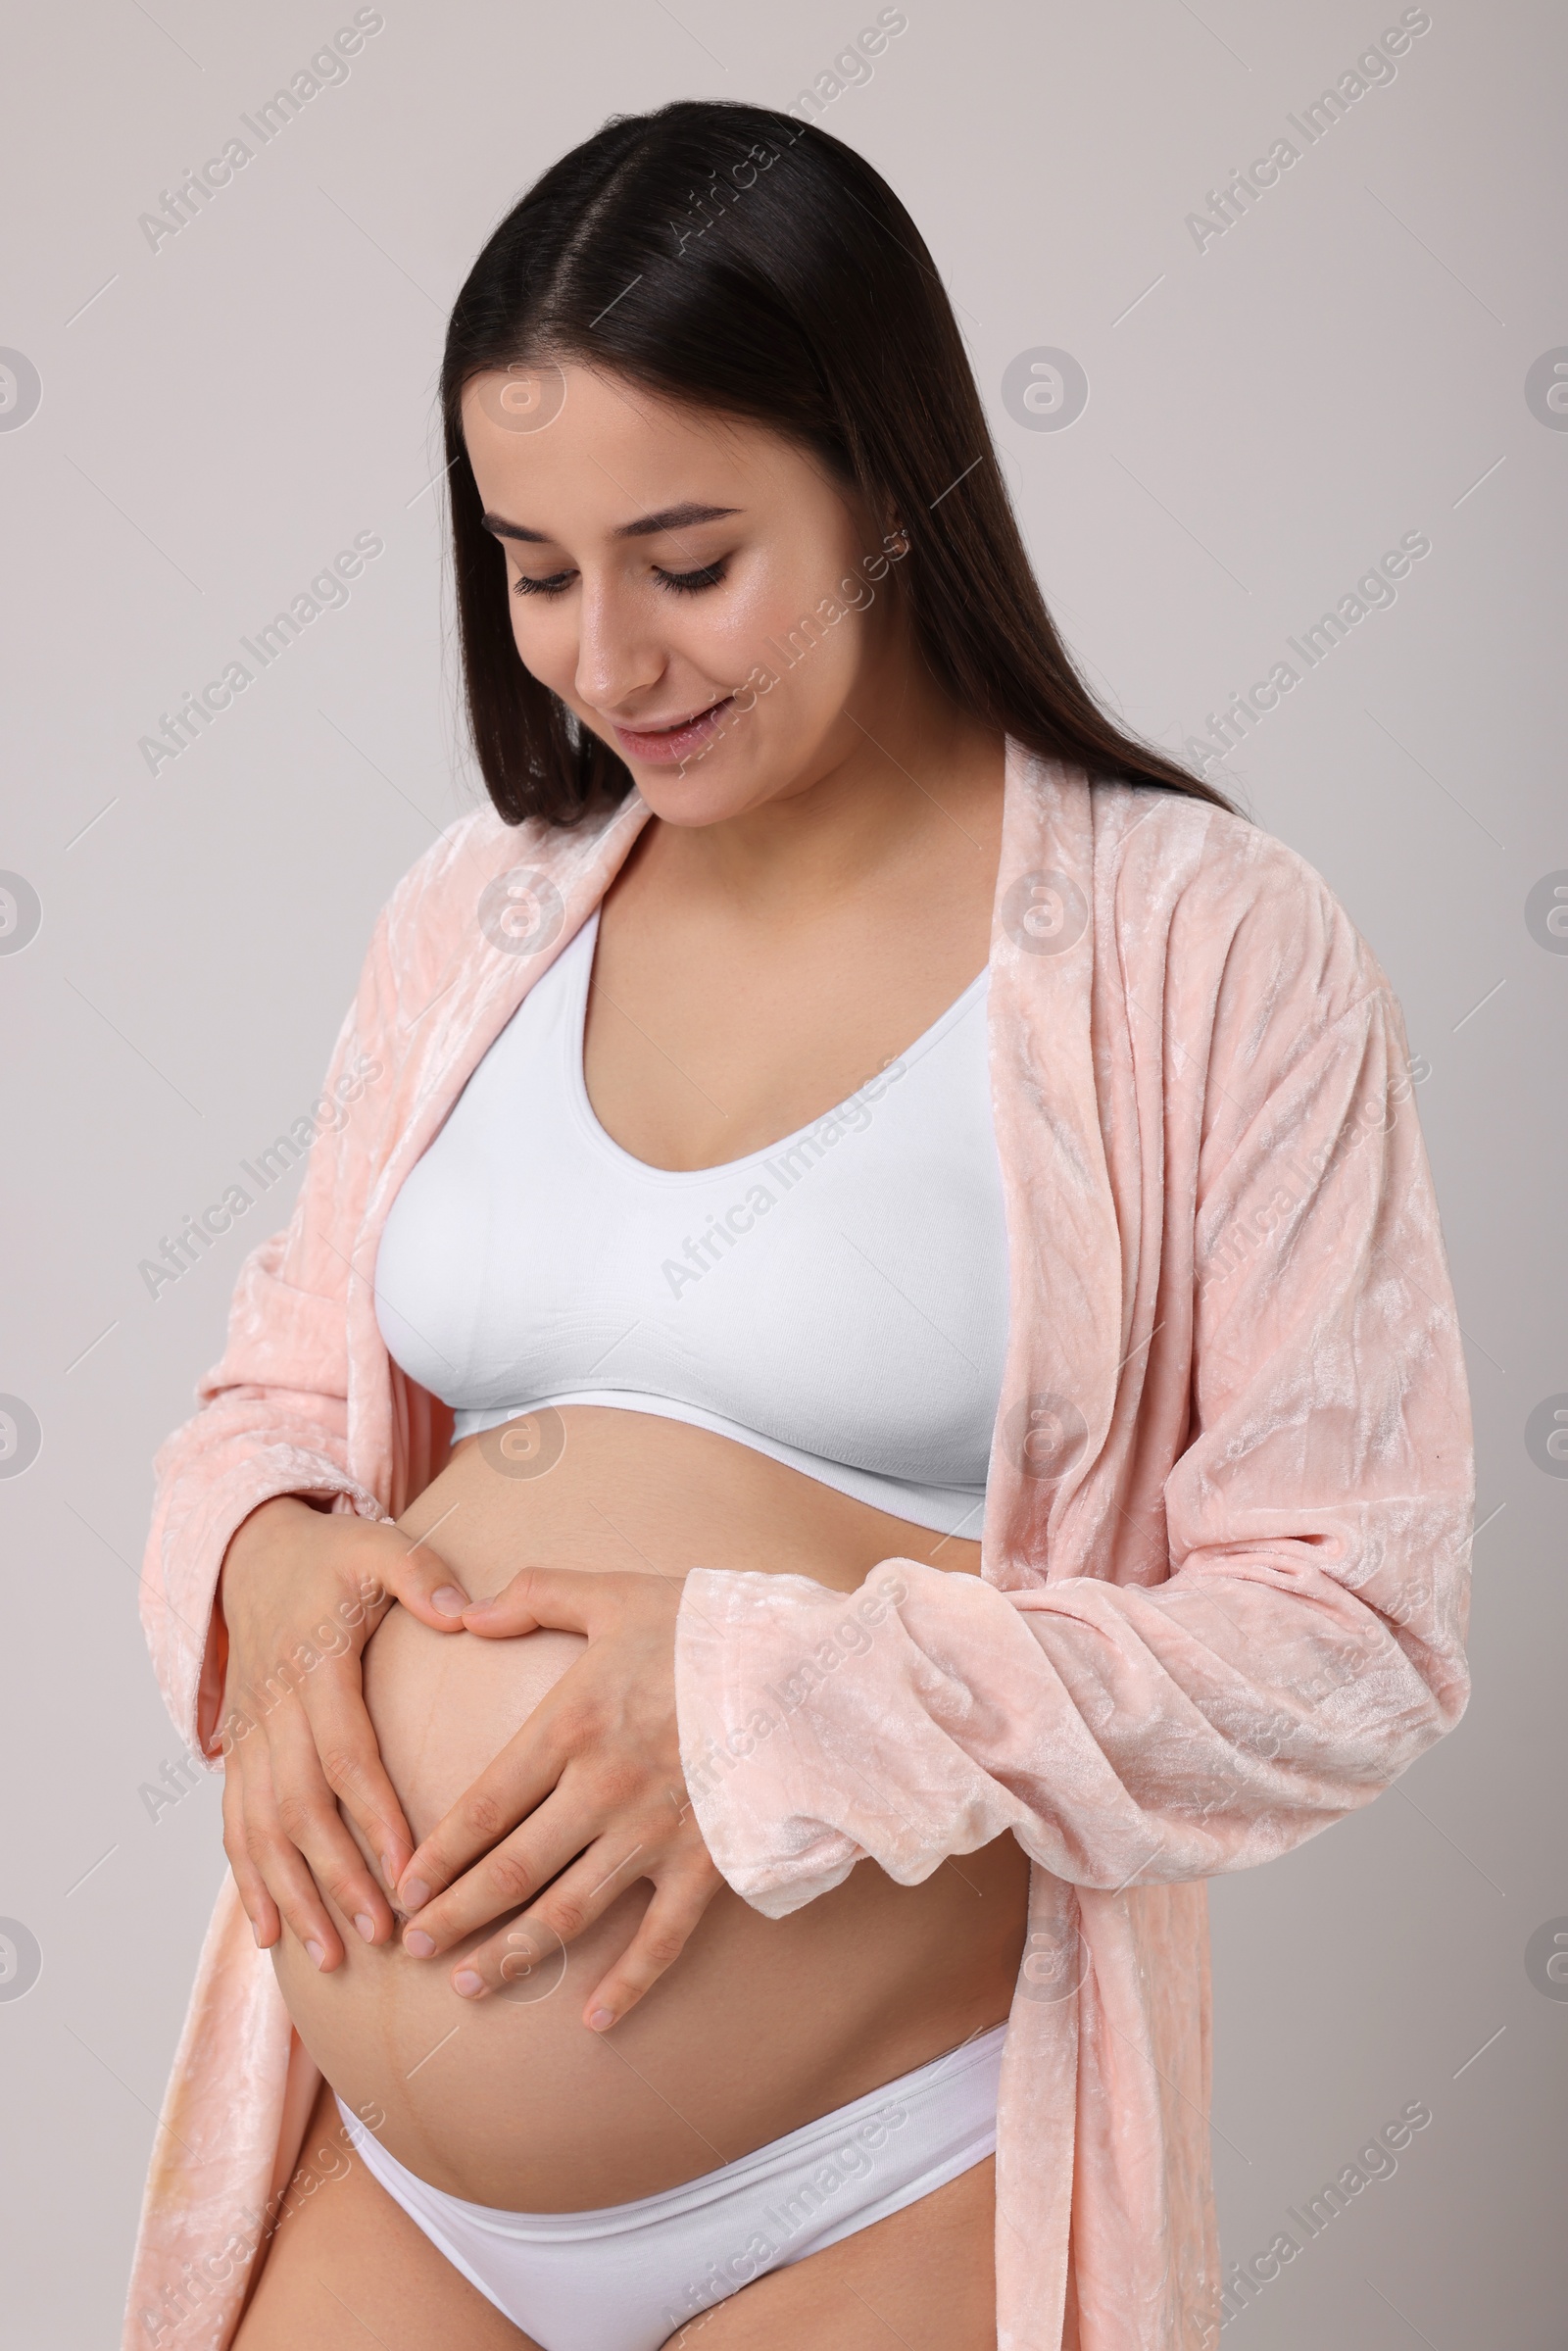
301	1591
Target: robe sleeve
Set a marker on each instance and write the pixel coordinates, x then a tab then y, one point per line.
1305	1647
273	1413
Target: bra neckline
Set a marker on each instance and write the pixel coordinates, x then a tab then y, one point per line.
574	1038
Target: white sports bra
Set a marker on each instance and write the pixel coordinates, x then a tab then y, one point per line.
838	1300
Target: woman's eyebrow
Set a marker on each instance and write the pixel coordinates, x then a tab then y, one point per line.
669	518
674	517
503	530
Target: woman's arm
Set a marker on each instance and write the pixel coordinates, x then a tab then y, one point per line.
1305	1648
272	1415
269	1435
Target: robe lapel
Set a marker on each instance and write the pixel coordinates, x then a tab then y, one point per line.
525	895
1065	1281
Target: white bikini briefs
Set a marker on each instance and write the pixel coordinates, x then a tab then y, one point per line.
629	2275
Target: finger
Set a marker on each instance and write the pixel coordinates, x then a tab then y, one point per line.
424	1582
561	1597
567	1910
351	1763
507	1793
665	1929
303	1811
288	1880
259	1905
511	1872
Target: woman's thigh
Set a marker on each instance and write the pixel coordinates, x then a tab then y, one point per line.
348	2268
924	2278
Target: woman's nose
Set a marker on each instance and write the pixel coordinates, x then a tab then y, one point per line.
616	658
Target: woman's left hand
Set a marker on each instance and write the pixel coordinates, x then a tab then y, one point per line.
594	1778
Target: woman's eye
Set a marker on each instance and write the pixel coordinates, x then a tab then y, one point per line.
684	583
688	583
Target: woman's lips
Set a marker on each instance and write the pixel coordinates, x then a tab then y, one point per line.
665	746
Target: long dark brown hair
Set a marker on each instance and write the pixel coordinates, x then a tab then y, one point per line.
745	263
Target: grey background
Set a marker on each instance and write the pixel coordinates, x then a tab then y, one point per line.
1264	418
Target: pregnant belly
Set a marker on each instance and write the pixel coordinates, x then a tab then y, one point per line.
761	2024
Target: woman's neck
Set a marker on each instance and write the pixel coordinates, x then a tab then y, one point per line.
886	794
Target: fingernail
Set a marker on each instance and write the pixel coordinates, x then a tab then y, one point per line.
602	2017
366	1925
467	1982
417	1944
415	1894
450	1601
256	1931
317	1954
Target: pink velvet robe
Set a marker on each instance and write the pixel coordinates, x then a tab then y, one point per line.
1224	1587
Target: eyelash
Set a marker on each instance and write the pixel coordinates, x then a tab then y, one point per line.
681	583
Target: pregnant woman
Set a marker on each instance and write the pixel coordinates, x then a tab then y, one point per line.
862	1392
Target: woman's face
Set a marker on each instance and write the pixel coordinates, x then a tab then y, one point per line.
696	588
